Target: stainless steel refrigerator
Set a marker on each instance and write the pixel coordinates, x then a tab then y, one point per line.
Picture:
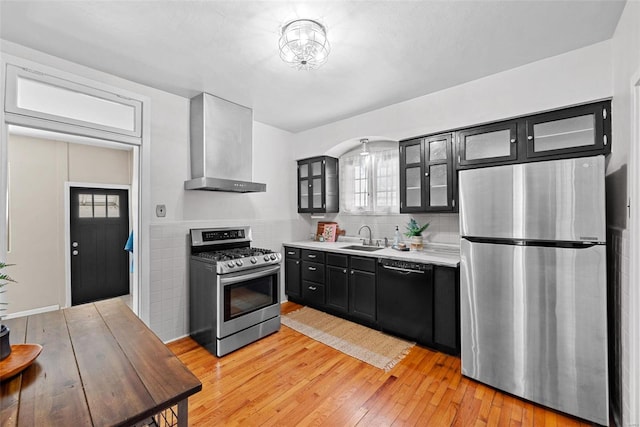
533	282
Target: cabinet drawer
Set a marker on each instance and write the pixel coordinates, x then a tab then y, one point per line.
314	256
291	252
313	272
313	293
337	260
363	263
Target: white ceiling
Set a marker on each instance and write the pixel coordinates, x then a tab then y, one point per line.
382	52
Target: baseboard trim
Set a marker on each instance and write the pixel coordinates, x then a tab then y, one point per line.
34	311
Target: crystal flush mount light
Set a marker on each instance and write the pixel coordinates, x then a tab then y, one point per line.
304	44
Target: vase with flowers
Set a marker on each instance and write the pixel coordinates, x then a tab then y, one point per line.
414	232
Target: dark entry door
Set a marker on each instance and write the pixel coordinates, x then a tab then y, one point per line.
99	230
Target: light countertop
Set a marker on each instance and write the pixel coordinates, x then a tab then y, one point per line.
439	254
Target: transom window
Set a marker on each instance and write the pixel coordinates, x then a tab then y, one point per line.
98	206
369	184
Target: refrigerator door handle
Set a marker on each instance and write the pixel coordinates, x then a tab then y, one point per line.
527	242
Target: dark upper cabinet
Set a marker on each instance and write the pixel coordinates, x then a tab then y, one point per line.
494	143
318	185
582	130
427	176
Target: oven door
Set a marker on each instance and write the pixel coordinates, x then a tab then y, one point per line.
247	299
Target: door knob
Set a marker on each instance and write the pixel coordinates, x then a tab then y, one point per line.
74	244
75	253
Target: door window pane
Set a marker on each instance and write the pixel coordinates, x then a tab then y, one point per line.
99	205
85	203
488	145
412	154
566	133
438	150
113	206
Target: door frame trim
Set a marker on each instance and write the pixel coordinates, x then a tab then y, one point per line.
634	258
141	173
68	185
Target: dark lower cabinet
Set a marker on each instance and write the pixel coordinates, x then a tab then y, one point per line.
292	265
427	311
362	288
313	293
446	309
337	283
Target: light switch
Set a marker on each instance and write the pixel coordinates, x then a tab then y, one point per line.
161	210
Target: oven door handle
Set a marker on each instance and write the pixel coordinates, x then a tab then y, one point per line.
249	276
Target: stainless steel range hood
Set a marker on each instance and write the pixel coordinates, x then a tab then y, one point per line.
221	146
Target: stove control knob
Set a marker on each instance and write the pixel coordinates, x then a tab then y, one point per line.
254	260
273	256
239	263
266	257
230	264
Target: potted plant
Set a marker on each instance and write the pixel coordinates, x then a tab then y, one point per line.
414	231
5	345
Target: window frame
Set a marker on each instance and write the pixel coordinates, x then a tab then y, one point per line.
373	164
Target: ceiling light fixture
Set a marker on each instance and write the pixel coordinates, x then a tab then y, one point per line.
304	44
365	149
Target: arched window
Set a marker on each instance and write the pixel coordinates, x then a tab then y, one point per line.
369	184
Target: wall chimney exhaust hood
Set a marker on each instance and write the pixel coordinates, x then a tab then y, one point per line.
221	146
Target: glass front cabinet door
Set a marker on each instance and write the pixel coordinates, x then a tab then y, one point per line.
573	131
427	177
318	185
494	143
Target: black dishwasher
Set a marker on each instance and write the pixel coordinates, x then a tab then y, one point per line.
405	299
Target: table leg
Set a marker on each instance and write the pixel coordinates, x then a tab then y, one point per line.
183	412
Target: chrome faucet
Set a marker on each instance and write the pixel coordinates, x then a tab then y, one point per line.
370	238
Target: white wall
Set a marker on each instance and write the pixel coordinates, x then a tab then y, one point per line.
576	77
272	214
626	68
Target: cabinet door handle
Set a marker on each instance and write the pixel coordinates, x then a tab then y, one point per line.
311	256
426	174
312	269
297	262
604	139
513	140
312	288
344	271
352	272
291	253
530	137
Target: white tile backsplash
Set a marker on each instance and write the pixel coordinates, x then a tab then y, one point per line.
443	228
169	280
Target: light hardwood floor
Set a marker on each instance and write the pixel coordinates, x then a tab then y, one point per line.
288	379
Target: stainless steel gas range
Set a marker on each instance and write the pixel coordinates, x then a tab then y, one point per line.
234	289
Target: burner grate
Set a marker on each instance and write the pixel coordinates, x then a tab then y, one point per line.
230	254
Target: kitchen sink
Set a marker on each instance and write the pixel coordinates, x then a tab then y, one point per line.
363	248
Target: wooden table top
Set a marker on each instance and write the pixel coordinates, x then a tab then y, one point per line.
100	366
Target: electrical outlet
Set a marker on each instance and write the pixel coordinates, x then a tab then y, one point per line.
161	210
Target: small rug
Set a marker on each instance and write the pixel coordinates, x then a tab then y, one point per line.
373	347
